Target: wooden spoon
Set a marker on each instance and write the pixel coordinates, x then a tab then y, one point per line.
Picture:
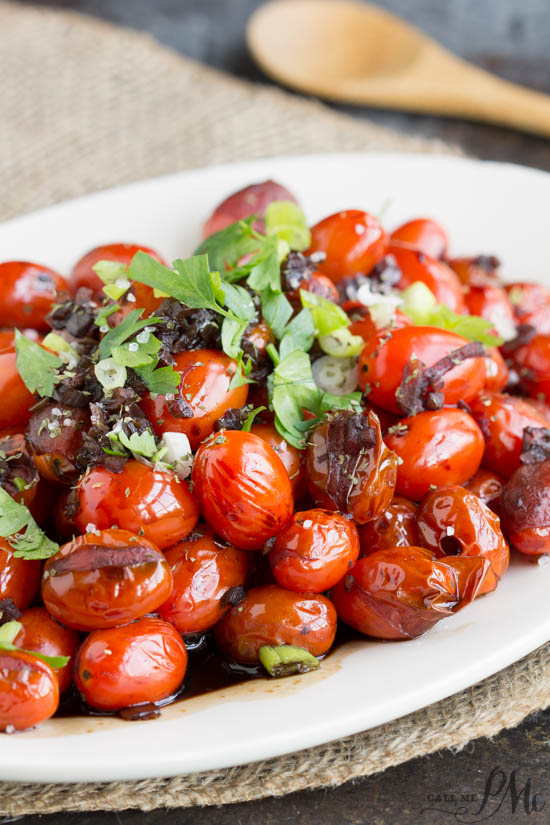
356	52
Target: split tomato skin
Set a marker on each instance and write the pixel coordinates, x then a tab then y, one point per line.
243	488
19	578
352	240
438	277
27	294
423	234
396	527
349	467
139	499
130	665
314	551
454	522
502	419
83	273
385	357
401	592
29	691
525	508
206	575
436	449
99	581
486	485
292	458
42	634
271	615
204	395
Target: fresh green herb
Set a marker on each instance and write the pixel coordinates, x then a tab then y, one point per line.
140	443
10	630
22	532
298	335
159	381
114	275
138	353
293	390
250	419
226	247
129	327
37	367
287	221
276	311
59	345
20	483
104	313
349	401
287	660
327	316
265	266
241	376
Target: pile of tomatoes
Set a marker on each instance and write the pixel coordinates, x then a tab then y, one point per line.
395	515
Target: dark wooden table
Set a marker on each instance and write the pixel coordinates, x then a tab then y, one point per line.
502	781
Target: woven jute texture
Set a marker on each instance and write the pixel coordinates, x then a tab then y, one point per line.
85	106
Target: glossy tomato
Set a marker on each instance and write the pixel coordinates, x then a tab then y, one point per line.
525	508
204	395
29	691
54	434
438	277
153	503
16	399
532	362
18	474
105	579
27	294
396	527
41	634
292	458
243	488
314	551
436	449
422	234
353	241
83	273
492	303
482	270
487	485
497	373
531	303
271	615
139	663
19	578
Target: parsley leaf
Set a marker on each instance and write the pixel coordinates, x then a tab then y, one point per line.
36	366
22	532
276	310
131	325
141	443
293	390
240	378
298	335
226	247
159	381
138	353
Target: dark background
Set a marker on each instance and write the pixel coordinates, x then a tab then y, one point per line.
511	38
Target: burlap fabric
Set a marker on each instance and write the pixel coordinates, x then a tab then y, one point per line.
86	106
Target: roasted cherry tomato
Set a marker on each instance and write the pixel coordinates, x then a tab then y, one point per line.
486	485
317	283
271	615
540	406
152	502
54	434
16	399
502	419
292	458
363	323
207	578
314	551
41	634
139	663
394	528
252	200
436	449
83	273
19	578
18	474
202	398
401	592
242	487
497	373
479	271
531	303
492	303
525	508
105	579
348	466
454	522
532	362
438	277
29	691
422	234
353	241
392	369
27	294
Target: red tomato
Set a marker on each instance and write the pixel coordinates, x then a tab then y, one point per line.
438	277
41	634
524	508
496	371
422	234
152	502
207	577
396	527
348	466
453	522
436	449
105	579
364	325
292	458
19	578
16	399
502	419
314	551
243	488
317	283
486	485
353	242
386	357
18	474
531	303
203	396
252	200
491	303
29	692
270	615
401	592
139	663
532	362
27	294
54	434
84	275
479	271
